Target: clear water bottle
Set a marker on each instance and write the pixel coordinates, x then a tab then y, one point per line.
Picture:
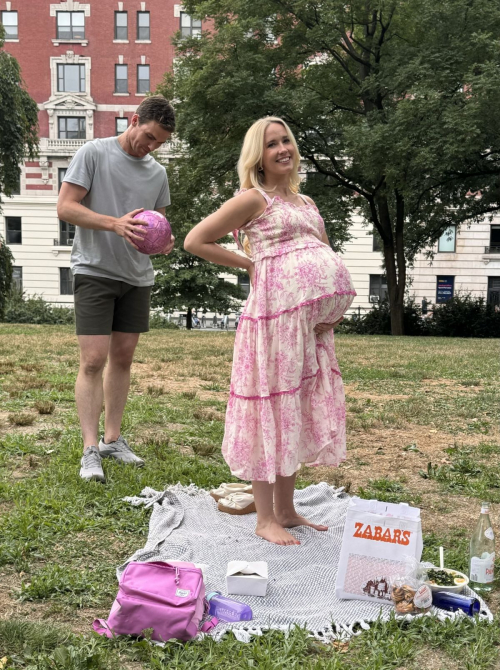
482	553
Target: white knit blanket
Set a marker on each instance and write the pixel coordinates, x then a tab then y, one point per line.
186	525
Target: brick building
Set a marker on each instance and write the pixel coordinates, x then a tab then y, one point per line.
88	65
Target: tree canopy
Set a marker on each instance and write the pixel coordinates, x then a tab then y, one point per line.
393	104
18	137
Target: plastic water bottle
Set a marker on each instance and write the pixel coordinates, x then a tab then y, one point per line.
227	609
482	553
452	602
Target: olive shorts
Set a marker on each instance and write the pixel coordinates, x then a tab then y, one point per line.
103	305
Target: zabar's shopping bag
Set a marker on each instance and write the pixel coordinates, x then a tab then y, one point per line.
378	540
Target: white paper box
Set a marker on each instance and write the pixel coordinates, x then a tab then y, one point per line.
379	540
246	579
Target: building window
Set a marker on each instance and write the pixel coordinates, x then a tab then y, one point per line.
61	173
9	22
378	288
66	281
143	79
143	32
495	239
190	27
121	124
121	26
494	292
70	78
71	127
70	25
121	78
244	284
447	241
13	230
377	242
444	289
17	278
66	233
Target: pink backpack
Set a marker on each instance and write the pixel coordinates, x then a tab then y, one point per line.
167	597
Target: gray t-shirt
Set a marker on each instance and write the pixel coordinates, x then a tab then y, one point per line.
117	183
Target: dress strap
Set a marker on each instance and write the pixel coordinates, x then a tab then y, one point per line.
304	198
265	196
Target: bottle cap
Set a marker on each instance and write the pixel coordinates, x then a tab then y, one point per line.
212	594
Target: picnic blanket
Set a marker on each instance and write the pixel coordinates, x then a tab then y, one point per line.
186	525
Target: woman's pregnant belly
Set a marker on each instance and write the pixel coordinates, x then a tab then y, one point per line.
302	276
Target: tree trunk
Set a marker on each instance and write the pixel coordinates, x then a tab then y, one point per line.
189	319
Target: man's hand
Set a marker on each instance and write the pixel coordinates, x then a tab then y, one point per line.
169	247
125	227
325	327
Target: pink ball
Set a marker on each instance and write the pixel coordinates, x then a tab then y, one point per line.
158	232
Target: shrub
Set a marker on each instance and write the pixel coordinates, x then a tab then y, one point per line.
20	309
158	321
378	321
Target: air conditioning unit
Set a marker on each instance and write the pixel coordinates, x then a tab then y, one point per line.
374	298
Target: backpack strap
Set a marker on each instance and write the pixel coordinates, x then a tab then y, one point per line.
208	625
100	626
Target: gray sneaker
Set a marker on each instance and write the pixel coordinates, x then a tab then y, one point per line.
91	465
119	450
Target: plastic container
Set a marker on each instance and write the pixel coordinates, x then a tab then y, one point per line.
227	609
452	602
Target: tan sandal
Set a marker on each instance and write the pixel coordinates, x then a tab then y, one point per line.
237	503
226	490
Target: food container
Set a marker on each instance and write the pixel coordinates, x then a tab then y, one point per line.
459	580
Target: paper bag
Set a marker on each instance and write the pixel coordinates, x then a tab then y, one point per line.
378	539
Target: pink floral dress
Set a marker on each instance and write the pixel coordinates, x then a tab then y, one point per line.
286	404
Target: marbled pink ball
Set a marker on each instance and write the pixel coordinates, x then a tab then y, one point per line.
158	232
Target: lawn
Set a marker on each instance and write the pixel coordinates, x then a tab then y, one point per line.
422	428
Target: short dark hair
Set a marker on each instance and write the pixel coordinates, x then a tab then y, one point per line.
157	108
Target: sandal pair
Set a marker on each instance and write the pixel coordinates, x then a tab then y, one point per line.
226	490
237	503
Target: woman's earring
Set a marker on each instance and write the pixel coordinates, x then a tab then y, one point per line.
261	169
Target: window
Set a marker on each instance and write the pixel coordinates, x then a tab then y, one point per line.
61	173
66	281
244	284
70	25
121	78
142	78
13	230
121	124
9	22
143	26
377	242
71	127
378	288
190	27
446	243
444	289
494	292
495	238
121	26
66	233
17	278
70	78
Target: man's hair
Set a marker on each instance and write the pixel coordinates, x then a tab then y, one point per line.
157	108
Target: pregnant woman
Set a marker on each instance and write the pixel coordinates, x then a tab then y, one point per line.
286	404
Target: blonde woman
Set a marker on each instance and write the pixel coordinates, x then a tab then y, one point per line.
286	404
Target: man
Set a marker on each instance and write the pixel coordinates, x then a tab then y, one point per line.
108	182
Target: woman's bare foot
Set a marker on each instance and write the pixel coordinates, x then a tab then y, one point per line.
293	520
273	532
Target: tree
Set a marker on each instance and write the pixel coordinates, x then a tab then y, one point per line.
18	136
184	281
393	103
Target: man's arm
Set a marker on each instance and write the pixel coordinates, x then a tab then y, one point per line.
70	209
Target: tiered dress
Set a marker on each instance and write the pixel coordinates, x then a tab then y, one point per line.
286	404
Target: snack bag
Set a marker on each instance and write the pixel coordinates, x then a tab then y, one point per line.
410	594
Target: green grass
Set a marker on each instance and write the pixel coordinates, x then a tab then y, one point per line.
61	538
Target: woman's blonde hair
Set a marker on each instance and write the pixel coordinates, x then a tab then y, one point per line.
250	161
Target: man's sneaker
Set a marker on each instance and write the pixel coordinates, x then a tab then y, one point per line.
119	450
91	465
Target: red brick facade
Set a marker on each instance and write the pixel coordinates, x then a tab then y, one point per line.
37	43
